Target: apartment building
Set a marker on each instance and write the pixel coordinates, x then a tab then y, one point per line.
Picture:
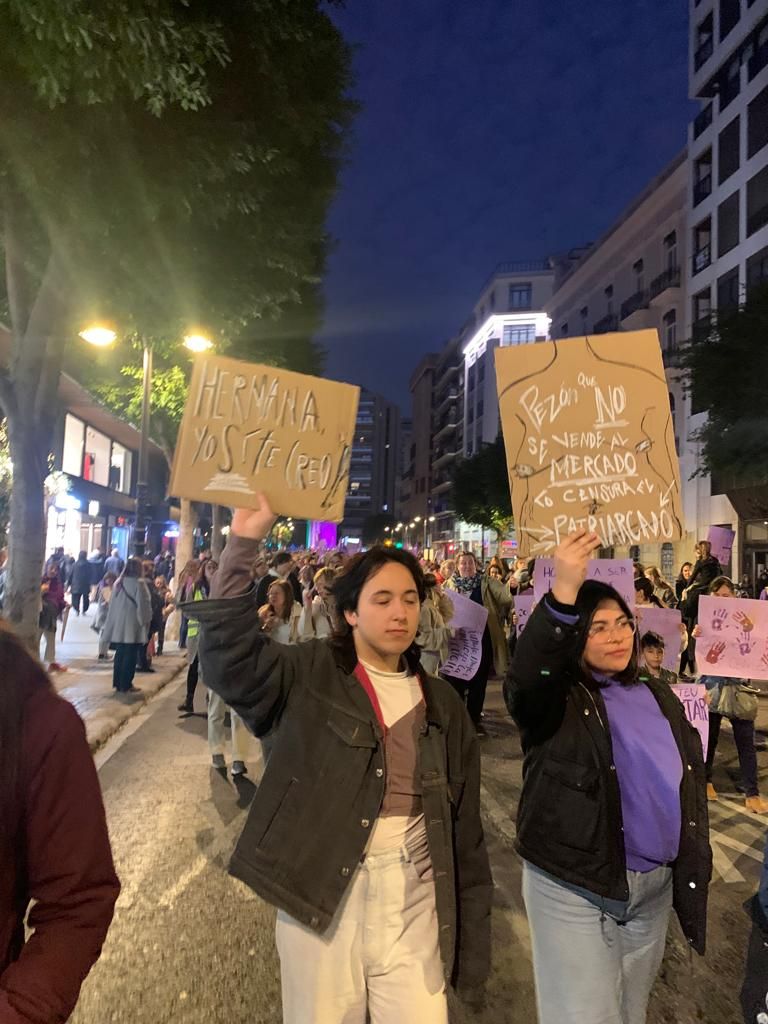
422	384
447	437
728	212
632	278
373	475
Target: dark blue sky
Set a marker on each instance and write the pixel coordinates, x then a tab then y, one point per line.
491	130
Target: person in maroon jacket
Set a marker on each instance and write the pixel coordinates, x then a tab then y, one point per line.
54	846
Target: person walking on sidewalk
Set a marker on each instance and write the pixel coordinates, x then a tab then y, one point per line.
128	618
365	831
496	598
80	584
612	822
194	586
52	608
55	859
729	699
103	597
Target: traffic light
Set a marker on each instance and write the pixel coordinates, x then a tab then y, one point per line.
399	544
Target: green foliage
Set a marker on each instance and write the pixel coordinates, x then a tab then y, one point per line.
480	492
726	374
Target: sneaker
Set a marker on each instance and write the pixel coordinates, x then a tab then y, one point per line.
756	804
186	708
238	768
218	761
56	667
711	792
103	657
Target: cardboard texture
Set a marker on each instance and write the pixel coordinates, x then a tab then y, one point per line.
734	638
250	428
590	440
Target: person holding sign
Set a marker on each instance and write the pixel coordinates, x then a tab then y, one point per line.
365	831
612	822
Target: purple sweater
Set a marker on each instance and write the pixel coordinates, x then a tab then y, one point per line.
648	767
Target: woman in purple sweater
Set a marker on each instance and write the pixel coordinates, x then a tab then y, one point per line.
612	822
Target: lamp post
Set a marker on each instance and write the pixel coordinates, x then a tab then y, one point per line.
102	337
431	519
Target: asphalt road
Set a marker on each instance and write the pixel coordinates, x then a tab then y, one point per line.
190	944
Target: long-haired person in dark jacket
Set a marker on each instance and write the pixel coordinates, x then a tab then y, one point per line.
54	847
365	830
612	822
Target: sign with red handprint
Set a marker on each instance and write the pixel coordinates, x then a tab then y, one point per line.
733	641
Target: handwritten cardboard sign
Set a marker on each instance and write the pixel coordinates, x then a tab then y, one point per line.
524	605
250	428
665	622
617	572
590	440
721	538
734	638
465	646
692	697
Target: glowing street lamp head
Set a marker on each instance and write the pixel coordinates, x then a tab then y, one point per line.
198	343
99	335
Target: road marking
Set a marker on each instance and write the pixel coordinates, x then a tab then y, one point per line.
497	814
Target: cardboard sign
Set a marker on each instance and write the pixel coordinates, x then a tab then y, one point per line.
617	572
249	428
721	539
734	638
465	646
693	698
666	623
590	440
524	605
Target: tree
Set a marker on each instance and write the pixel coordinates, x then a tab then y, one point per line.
374	527
161	161
726	374
480	493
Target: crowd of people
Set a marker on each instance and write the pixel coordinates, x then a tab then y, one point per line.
612	823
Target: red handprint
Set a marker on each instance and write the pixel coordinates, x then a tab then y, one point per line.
715	653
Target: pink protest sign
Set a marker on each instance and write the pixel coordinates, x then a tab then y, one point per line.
618	572
721	539
734	638
692	697
524	605
666	622
465	647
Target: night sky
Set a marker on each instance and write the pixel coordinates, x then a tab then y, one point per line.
491	130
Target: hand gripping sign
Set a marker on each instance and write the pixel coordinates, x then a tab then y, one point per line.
590	441
249	428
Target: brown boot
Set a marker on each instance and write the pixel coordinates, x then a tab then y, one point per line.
711	792
756	804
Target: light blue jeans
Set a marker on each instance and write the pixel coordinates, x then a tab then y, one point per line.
589	967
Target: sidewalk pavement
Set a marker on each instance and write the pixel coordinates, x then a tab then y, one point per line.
87	683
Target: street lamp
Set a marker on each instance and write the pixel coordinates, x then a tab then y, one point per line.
430	520
103	336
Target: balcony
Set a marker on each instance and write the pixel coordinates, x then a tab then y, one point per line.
703	54
702	121
701	258
607	324
446	427
757	61
669	279
757	220
702	189
729	90
444	399
637	301
443	458
672	356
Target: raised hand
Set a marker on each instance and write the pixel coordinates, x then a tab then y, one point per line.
254	523
718	618
715	653
571	557
744	621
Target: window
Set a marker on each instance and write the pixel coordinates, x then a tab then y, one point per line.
584	313
513	335
480	371
704	42
520	296
757	123
492	300
564	330
480	407
471	377
702	245
728	224
728	289
667	560
670	251
670	328
730	12
730	84
759	57
757	201
702	307
638	269
471	415
120	467
98	451
72	455
609	300
728	151
757	269
702	177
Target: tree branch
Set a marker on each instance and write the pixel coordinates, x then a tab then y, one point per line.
16	281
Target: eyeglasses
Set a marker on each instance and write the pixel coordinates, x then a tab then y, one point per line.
602	632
